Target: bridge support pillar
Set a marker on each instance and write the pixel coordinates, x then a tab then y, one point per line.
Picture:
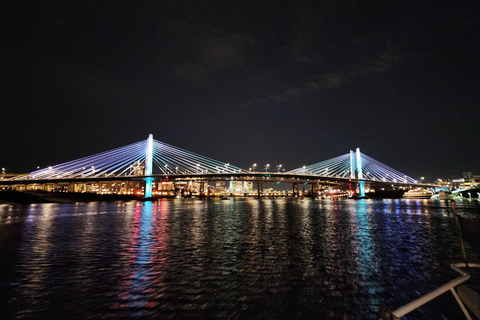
259	190
361	189
148	187
296	190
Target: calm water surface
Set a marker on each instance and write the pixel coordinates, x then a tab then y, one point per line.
229	259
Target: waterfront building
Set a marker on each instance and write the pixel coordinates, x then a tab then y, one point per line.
470	180
240	187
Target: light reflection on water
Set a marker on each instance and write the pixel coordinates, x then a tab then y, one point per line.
234	259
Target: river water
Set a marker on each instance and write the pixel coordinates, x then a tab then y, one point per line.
230	259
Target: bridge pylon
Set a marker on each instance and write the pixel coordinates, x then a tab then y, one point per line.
356	167
148	167
361	186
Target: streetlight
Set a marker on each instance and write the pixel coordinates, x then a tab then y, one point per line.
279	167
254	165
3	173
267	166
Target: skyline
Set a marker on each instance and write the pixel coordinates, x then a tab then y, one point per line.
243	83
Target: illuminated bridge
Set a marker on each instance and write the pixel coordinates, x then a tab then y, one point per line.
151	163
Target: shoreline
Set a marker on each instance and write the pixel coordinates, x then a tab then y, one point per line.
29	197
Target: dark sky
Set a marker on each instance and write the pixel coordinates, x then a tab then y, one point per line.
290	82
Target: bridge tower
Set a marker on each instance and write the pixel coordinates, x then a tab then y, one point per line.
148	167
356	165
360	175
352	165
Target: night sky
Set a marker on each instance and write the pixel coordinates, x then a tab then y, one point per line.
279	82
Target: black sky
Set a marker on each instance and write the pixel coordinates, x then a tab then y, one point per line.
290	82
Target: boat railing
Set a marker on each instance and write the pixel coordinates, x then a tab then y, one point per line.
386	314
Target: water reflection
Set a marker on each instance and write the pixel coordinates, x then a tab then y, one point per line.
139	264
236	259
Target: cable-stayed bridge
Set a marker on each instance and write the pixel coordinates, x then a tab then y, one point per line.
152	161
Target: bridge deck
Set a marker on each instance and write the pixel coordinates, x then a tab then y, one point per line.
237	176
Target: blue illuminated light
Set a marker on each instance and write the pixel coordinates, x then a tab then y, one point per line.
137	159
345	166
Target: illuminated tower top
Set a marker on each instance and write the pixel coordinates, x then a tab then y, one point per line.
149	156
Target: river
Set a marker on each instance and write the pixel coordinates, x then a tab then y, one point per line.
230	259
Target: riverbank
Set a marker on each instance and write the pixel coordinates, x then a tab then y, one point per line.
12	196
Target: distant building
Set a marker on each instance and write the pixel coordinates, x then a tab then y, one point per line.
219	187
240	187
467	176
470	180
442	183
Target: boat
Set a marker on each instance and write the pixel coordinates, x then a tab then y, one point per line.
418	194
444	195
